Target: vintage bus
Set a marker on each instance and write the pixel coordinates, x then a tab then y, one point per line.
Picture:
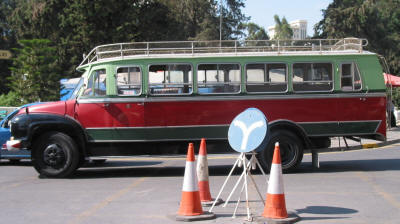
154	97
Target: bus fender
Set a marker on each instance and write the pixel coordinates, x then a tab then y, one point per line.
29	127
292	127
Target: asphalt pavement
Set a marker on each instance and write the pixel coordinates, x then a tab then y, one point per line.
360	186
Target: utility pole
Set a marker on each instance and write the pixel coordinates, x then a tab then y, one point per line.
220	23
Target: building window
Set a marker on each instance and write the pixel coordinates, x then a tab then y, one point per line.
350	77
129	82
312	77
264	77
170	79
218	78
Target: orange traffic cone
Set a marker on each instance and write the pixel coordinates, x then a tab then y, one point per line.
190	208
275	205
202	174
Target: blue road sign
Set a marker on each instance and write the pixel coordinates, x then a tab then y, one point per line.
248	130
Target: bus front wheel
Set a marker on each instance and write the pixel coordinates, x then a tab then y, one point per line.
291	149
55	155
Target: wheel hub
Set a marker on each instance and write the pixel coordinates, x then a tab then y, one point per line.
54	155
287	153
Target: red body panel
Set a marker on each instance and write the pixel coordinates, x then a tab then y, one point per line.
161	113
58	107
93	115
221	112
297	110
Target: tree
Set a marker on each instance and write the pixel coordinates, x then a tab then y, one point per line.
10	100
255	32
377	21
7	41
200	19
34	73
76	27
282	29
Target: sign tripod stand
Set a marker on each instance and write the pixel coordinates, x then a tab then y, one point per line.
241	161
246	133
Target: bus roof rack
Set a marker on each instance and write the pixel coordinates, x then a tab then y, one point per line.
194	48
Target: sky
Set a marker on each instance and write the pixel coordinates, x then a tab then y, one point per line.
262	11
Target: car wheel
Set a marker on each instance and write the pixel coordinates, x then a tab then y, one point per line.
291	149
55	155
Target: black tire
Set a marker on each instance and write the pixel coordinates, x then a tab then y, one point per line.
291	149
55	155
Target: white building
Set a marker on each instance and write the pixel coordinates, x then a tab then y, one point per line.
299	28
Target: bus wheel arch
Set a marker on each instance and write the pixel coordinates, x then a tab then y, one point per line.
55	154
292	141
73	131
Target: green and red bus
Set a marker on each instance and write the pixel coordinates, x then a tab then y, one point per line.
154	97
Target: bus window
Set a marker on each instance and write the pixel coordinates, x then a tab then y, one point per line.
263	78
97	84
218	78
129	81
350	77
312	77
170	79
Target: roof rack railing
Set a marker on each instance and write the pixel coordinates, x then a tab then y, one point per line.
121	50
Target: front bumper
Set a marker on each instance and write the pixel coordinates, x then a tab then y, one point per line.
13	145
16	154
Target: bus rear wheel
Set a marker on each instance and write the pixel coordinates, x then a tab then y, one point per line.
291	149
55	155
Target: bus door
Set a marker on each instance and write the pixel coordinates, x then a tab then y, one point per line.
127	109
91	109
357	110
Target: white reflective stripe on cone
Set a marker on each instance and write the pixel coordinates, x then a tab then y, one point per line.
190	179
275	184
202	168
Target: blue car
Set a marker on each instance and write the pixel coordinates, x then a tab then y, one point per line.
5	135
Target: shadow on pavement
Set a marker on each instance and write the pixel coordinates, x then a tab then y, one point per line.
135	168
109	170
15	163
325	210
350	166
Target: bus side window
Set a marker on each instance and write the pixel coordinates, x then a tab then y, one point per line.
261	78
129	81
218	78
170	79
312	77
350	77
97	84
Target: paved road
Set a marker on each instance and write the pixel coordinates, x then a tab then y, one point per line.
350	187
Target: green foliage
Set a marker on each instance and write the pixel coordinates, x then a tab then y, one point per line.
34	73
76	27
377	21
282	29
10	99
7	41
255	32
